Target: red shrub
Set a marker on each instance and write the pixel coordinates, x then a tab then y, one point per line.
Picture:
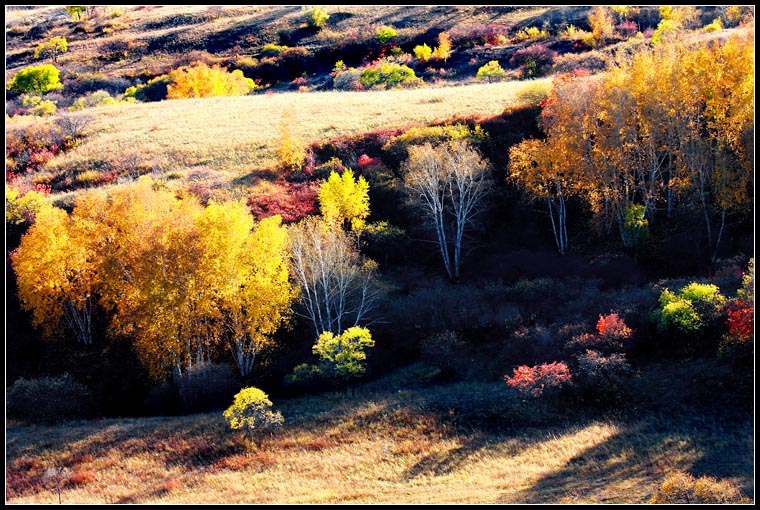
741	321
81	477
613	326
535	380
365	161
292	201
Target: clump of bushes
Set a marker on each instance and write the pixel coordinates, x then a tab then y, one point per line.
36	79
593	61
683	488
535	60
292	201
48	399
467	36
389	75
196	80
383	74
538	380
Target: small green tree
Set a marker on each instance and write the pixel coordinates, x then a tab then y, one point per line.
76	11
251	410
316	17
40	79
635	229
343	355
52	48
491	72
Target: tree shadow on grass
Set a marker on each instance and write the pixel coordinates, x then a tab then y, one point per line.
255	177
629	466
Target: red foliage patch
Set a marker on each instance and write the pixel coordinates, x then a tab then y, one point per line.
535	380
23	476
292	201
612	325
81	477
741	321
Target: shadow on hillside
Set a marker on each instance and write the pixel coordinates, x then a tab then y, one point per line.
644	455
255	177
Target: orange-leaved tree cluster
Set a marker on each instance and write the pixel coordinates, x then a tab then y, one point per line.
670	126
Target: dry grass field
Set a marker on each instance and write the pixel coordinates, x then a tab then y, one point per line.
462	443
223	140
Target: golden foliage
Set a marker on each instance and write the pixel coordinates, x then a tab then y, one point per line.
342	198
200	80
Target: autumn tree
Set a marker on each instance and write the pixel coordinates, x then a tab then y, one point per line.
246	268
344	199
448	183
185	282
343	355
337	288
443	50
668	125
76	11
492	71
290	148
57	269
602	25
546	178
52	48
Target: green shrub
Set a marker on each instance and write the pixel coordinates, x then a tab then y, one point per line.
155	89
39	107
389	75
491	72
385	34
694	313
531	34
251	411
679	314
273	49
715	26
39	79
48	399
706	299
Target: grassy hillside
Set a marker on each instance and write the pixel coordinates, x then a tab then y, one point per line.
465	443
228	138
